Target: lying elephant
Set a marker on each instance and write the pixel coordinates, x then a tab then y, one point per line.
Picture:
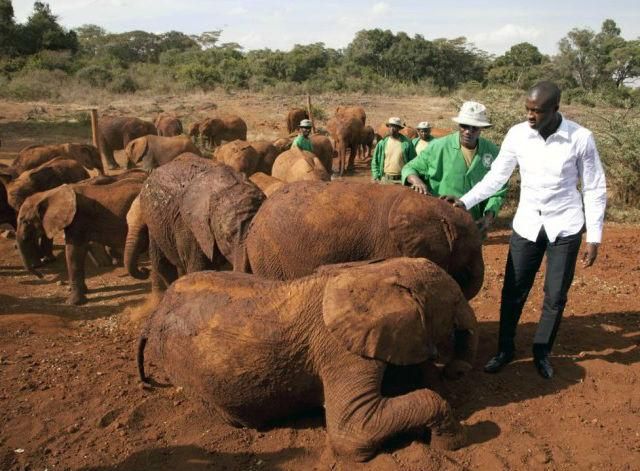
196	213
256	350
342	222
35	155
86	213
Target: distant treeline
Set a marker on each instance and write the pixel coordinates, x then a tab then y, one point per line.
39	55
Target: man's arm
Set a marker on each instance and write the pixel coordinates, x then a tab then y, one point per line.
594	195
376	161
501	169
414	171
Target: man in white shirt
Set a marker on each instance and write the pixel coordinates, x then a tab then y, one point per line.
554	156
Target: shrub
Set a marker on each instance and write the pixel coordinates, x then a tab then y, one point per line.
36	85
95	75
123	84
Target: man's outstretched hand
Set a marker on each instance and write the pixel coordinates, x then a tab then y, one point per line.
454	201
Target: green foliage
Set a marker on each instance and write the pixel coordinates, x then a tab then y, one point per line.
123	83
95	75
35	85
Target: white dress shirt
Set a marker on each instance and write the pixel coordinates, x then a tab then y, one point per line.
550	172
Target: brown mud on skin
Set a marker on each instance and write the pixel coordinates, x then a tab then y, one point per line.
65	370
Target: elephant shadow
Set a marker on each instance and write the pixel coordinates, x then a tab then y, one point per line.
194	458
612	337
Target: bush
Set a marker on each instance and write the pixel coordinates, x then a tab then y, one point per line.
123	84
95	75
51	60
36	85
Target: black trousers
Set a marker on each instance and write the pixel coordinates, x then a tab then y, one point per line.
523	262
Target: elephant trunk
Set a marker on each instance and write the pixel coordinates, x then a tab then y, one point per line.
470	277
137	240
465	342
28	254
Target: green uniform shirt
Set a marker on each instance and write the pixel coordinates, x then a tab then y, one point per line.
415	140
302	143
443	168
377	163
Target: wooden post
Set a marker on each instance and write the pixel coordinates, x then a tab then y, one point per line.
94	128
313	124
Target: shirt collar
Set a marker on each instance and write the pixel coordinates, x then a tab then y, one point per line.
562	131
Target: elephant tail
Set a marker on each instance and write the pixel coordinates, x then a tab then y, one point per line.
142	343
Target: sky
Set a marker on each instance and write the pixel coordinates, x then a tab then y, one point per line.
493	26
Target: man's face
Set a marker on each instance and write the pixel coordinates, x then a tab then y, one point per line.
393	130
305	131
424	134
540	112
469	135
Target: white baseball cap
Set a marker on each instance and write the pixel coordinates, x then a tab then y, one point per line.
423	125
305	123
472	113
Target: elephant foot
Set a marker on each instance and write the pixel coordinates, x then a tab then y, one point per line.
456	369
77	299
451	435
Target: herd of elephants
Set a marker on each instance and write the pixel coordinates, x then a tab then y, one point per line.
281	289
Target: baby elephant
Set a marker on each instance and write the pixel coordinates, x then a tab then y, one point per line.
257	350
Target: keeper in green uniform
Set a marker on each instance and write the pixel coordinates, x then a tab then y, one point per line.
424	136
453	164
303	142
391	153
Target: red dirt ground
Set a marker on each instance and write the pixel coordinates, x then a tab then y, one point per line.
70	398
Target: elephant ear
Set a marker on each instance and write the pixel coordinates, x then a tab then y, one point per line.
195	209
137	149
420	227
57	209
376	316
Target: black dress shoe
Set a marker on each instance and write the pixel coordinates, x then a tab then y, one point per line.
497	362
543	365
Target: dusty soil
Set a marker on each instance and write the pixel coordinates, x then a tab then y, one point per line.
69	392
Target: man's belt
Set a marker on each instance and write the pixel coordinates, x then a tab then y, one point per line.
388	176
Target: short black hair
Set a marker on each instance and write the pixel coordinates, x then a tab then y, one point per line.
546	90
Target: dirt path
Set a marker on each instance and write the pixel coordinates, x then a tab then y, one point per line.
70	399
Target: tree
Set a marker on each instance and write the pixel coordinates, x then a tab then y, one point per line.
7	28
518	67
42	31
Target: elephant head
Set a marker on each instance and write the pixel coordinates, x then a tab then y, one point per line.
43	215
412	227
137	149
400	315
86	155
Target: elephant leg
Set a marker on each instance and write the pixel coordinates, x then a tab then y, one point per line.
351	166
359	419
75	254
109	158
163	273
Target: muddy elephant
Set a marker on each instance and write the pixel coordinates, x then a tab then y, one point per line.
34	156
168	125
223	128
86	213
323	149
267	184
294	116
152	151
267	153
196	213
239	155
256	351
341	222
297	165
346	133
346	112
116	132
